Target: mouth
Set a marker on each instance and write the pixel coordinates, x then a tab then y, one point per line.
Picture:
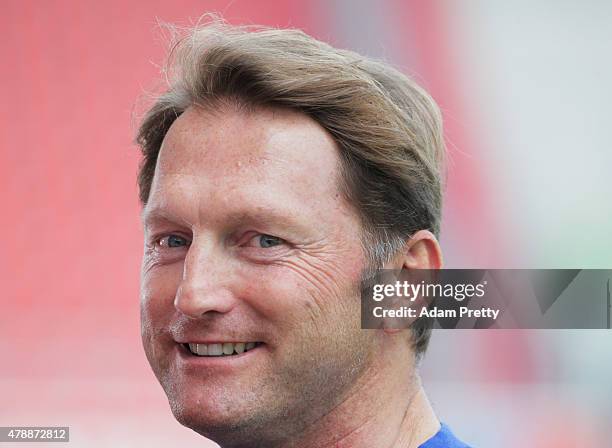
220	349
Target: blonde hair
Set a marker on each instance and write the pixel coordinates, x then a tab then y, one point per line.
388	130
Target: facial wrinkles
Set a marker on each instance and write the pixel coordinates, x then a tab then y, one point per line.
322	267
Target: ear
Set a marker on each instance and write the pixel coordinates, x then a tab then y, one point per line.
422	252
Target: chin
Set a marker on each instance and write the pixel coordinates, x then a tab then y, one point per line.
215	414
229	417
222	428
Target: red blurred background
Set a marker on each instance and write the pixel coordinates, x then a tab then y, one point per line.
73	74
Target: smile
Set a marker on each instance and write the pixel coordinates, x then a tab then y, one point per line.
220	349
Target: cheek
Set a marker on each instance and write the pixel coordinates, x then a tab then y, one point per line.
301	299
158	288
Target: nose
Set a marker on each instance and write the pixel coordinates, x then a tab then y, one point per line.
205	286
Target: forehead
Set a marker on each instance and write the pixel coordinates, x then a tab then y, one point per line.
261	154
253	137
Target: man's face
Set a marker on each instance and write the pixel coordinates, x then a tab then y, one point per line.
248	239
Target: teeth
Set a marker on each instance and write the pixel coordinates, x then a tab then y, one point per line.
215	349
224	349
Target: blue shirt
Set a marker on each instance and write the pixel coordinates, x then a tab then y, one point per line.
444	439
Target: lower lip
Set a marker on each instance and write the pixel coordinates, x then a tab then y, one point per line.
189	360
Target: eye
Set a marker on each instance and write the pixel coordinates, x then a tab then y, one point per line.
266	241
263	241
172	241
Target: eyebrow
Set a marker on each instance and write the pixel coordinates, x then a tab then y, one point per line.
263	216
157	214
260	216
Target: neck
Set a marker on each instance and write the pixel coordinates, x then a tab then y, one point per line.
388	408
